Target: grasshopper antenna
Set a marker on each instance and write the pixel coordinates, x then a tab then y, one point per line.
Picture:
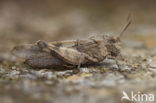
124	28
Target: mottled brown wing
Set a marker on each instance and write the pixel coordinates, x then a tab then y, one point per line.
95	49
27	51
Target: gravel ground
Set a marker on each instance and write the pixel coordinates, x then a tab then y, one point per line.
99	84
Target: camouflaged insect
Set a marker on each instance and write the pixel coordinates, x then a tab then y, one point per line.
70	53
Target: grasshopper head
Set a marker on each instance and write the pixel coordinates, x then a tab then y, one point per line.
112	46
112	43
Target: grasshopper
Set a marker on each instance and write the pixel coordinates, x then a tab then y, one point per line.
70	53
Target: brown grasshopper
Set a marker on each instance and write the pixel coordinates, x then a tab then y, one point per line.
70	53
